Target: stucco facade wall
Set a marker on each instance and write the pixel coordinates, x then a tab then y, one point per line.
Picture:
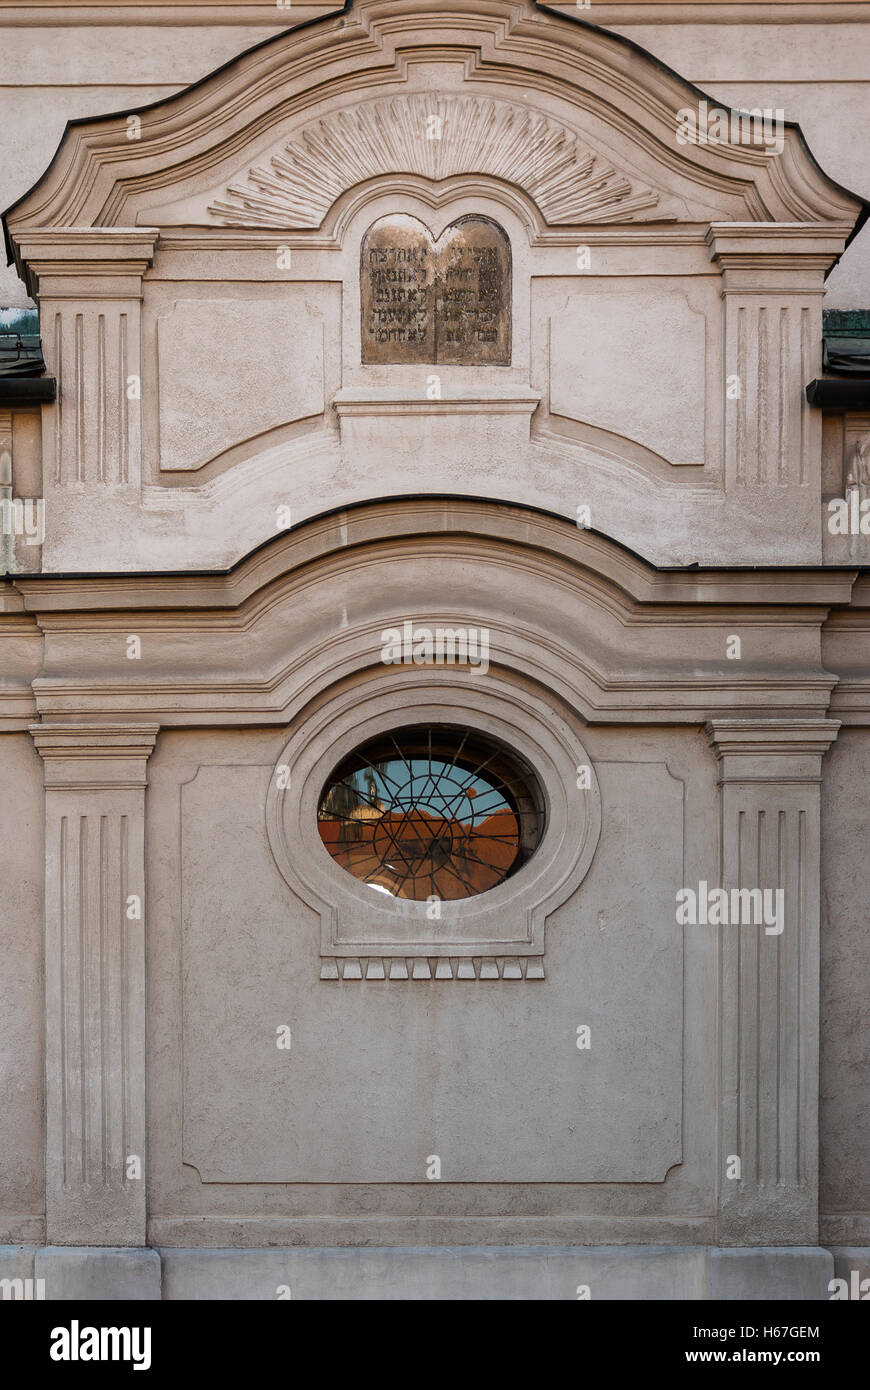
249	480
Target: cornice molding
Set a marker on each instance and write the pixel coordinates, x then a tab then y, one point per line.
252	239
83	609
256	13
366	551
397	520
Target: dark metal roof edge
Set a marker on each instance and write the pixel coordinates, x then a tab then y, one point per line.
841	393
27	390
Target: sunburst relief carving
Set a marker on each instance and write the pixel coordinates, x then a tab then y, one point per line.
436	138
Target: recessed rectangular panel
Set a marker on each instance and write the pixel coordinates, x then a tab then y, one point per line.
631	363
383	1074
234	369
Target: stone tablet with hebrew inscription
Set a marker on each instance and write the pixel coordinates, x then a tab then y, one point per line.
398	292
473	294
441	302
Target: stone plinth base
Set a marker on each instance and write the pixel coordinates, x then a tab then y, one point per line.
98	1274
625	1272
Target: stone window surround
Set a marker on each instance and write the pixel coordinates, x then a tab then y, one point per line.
501	927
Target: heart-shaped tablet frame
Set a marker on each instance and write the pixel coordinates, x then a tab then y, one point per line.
441	301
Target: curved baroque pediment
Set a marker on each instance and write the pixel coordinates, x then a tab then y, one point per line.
579	118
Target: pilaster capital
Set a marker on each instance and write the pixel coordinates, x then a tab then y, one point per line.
85	262
771	750
775	257
87	756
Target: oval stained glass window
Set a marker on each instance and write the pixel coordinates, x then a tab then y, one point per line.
431	811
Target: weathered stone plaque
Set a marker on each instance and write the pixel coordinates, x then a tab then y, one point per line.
441	302
473	294
398	292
